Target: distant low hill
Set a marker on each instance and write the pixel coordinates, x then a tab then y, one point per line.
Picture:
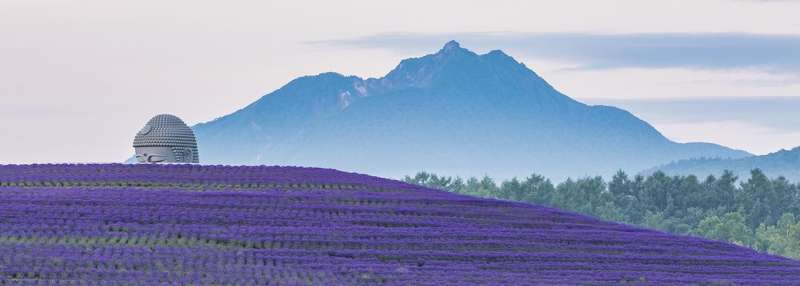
782	163
453	112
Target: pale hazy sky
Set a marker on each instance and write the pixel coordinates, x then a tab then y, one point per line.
79	78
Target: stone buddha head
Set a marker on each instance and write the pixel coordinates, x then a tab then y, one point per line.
166	139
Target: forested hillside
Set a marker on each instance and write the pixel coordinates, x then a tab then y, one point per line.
756	212
783	162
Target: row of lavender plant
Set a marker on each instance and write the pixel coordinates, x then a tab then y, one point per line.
187	176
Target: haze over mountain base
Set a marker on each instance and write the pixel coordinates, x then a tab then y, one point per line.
784	163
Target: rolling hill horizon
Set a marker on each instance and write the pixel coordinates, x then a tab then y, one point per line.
785	163
220	225
453	112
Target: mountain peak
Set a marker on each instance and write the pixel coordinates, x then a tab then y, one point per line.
452	48
452	44
421	71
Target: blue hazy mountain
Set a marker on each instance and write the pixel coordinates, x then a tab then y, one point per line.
781	163
452	112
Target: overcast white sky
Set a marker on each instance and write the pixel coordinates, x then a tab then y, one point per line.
79	78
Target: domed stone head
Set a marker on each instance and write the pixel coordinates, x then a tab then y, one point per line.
166	139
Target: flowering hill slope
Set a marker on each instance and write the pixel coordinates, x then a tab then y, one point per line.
209	225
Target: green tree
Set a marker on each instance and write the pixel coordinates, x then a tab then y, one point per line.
540	189
655	192
782	238
583	195
720	193
731	227
755	199
512	190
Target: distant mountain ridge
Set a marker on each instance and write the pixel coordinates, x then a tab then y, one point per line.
784	163
452	112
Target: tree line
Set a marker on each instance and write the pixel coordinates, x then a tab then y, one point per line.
759	212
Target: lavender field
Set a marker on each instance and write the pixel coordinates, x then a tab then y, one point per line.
120	224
